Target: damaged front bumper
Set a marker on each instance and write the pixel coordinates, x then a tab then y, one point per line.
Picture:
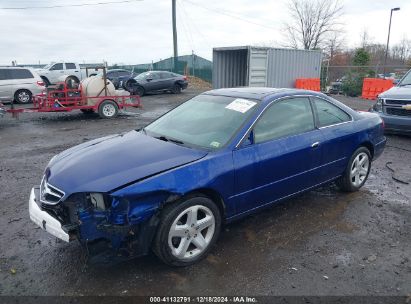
100	232
43	219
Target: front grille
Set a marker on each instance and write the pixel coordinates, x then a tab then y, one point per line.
49	194
397	102
398	112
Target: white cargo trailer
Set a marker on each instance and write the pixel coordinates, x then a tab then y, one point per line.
263	67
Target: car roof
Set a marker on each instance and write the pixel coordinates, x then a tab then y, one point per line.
117	70
258	93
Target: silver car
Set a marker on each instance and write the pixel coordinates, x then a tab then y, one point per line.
19	84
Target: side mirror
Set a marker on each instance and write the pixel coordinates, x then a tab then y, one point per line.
249	140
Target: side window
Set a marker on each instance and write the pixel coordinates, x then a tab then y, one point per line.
70	66
4	74
329	114
285	118
165	75
57	67
20	74
153	76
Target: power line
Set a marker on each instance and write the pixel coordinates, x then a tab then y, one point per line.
190	21
69	5
186	28
225	13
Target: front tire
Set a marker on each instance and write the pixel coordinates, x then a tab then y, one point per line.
23	96
188	229
108	109
357	171
139	91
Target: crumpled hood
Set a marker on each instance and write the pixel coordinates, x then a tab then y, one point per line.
110	162
397	92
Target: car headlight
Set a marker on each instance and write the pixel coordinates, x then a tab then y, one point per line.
378	105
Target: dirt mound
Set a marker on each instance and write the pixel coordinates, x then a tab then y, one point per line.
198	83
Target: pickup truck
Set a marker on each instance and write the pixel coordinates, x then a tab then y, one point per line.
60	71
394	107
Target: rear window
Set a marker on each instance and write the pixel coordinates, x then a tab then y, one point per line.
70	66
328	114
16	74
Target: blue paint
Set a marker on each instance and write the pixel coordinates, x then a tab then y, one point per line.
140	173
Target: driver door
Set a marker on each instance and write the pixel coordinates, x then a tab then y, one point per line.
282	157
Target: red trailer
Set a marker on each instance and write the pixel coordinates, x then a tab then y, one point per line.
66	97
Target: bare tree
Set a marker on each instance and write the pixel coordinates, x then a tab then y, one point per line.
402	50
366	39
312	21
333	44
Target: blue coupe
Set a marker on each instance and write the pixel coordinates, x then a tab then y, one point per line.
220	156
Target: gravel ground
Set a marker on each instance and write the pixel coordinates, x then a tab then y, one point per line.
321	243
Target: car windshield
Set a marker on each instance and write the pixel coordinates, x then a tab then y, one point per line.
406	80
206	121
48	66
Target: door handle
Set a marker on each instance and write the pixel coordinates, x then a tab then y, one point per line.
315	145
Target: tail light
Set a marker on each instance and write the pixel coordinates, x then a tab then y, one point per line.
40	83
185	77
382	124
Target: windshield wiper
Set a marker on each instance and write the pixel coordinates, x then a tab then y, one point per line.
405	84
164	138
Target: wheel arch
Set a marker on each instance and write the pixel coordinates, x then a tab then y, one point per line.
207	192
46	80
73	77
367	144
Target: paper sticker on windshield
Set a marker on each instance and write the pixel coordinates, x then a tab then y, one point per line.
215	144
241	105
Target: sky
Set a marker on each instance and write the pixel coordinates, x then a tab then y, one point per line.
140	31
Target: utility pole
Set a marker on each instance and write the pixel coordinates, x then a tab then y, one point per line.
388	39
174	33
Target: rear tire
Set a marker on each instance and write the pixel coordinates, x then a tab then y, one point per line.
23	96
356	172
176	89
108	109
72	82
187	231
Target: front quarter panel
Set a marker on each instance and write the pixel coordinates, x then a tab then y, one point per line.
214	172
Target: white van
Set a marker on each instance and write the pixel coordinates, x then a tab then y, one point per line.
19	84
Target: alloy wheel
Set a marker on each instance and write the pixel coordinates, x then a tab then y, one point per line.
359	169
191	232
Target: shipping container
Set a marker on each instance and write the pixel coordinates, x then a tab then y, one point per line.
263	67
